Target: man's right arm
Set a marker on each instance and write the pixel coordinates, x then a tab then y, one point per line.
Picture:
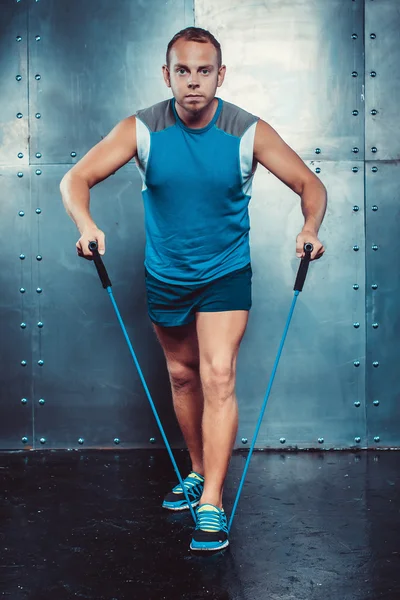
104	159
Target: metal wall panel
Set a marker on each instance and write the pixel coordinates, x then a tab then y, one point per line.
89	382
98	62
314	400
382	149
291	62
382	80
14	84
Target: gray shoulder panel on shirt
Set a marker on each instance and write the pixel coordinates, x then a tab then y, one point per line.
157	117
234	120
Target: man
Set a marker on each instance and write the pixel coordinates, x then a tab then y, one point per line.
197	156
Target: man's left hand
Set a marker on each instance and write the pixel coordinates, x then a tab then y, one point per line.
307	235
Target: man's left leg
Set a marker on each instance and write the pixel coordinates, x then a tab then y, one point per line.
219	335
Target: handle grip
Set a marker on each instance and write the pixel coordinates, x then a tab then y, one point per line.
101	270
303	267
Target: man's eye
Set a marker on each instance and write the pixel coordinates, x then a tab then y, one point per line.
205	71
181	71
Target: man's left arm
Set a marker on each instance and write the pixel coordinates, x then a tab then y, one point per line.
274	154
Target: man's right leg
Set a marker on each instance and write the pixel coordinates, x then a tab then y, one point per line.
181	350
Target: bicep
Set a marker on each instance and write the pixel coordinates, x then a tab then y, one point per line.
110	154
274	154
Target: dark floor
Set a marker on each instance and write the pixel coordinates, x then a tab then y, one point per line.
88	524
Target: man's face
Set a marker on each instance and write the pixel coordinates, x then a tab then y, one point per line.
193	74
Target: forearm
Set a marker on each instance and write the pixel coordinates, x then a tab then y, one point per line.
75	193
313	205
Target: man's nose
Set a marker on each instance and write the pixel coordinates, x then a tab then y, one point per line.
193	80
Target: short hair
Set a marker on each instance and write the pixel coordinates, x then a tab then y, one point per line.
195	34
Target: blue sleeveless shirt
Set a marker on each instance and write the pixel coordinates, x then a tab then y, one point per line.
196	190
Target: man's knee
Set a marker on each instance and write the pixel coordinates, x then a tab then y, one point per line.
218	376
183	375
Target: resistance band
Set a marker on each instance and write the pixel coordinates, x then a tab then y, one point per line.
106	283
298	287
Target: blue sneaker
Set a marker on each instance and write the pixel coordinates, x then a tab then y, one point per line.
211	531
175	500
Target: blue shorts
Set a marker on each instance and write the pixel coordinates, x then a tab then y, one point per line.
172	305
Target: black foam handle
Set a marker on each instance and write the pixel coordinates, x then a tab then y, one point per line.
101	270
303	267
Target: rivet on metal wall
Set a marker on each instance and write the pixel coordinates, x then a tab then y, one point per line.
375	364
21	213
377	438
38	115
38	155
41	401
24	440
20	174
356	325
376	403
39	257
357	403
354	74
355	113
317	150
73	154
318	170
372	36
18	38
356	286
374	286
38	211
38	38
152	440
37	77
244	440
376	458
20	155
18	77
23	325
374	247
375	325
374	149
39	290
355	150
22	256
374	111
356	363
19	115
373	73
23	363
354	36
38	172
116	440
80	441
22	290
356	208
374	169
356	248
357	439
40	363
42	440
282	440
40	324
374	208
354	169
320	440
24	400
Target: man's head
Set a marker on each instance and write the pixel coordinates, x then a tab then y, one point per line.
193	68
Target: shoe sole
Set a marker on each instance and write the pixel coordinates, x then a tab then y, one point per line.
179	508
197	549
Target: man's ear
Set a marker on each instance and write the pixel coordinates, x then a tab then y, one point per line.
221	75
166	76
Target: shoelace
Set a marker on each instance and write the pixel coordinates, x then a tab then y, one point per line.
211	520
189	483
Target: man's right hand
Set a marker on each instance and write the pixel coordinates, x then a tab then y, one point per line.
90	234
